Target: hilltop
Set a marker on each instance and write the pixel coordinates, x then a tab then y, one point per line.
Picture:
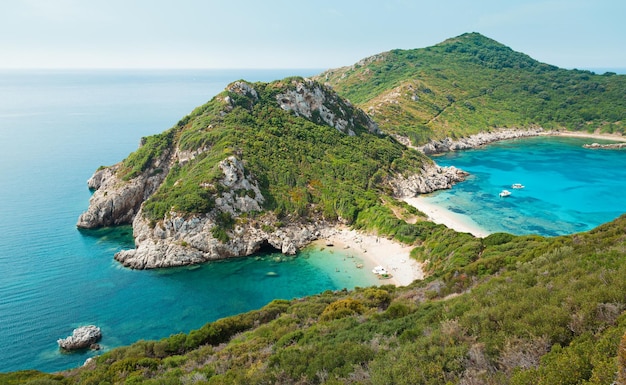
470	84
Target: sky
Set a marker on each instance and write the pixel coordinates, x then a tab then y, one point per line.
321	34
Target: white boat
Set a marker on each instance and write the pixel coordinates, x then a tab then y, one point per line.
380	270
504	193
517	185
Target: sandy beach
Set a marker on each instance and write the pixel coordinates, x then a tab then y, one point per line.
576	134
448	218
376	251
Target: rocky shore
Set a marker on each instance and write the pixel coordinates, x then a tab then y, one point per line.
477	140
181	240
611	146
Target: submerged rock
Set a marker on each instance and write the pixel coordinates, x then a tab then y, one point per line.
81	338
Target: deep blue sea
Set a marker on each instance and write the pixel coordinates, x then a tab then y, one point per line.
56	129
568	188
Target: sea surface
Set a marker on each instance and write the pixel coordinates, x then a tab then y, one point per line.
568	188
56	129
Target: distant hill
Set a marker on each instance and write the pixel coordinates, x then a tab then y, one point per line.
470	84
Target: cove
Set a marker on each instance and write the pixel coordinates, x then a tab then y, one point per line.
568	188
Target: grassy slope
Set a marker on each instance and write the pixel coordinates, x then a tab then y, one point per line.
471	83
512	310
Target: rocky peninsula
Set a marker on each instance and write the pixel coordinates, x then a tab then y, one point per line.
236	221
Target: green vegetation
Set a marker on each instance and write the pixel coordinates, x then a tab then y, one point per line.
303	168
516	310
470	84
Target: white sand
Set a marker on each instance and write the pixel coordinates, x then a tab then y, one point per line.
377	251
576	134
441	215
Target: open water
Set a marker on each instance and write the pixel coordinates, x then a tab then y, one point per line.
568	188
56	129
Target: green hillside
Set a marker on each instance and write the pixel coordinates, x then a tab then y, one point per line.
512	310
471	83
304	167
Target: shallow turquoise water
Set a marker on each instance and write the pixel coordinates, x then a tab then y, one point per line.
568	188
56	129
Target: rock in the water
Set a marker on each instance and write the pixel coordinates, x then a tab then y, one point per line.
81	338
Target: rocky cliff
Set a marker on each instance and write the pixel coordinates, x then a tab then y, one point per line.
116	201
430	178
181	239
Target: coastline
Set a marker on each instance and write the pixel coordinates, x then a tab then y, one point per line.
375	251
441	215
576	134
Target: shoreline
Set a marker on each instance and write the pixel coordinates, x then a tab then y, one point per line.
443	216
464	224
577	134
375	251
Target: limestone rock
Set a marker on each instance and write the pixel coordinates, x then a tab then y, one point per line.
180	241
476	140
116	201
430	178
316	102
81	338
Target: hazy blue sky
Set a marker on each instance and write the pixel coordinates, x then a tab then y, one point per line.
297	33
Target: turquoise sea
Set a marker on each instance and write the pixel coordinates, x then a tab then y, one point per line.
57	128
567	189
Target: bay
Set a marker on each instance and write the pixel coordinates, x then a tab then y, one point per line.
56	129
568	188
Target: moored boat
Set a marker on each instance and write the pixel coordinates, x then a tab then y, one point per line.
504	193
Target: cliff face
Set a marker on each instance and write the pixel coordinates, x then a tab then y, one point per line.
115	201
193	197
182	239
310	98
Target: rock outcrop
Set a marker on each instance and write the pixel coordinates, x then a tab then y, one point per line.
317	103
430	178
115	201
476	140
181	239
610	146
82	338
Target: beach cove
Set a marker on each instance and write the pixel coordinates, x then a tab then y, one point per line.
568	188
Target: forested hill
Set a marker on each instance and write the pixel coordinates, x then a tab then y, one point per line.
472	83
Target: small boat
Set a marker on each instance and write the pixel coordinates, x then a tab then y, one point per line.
517	185
380	270
504	193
